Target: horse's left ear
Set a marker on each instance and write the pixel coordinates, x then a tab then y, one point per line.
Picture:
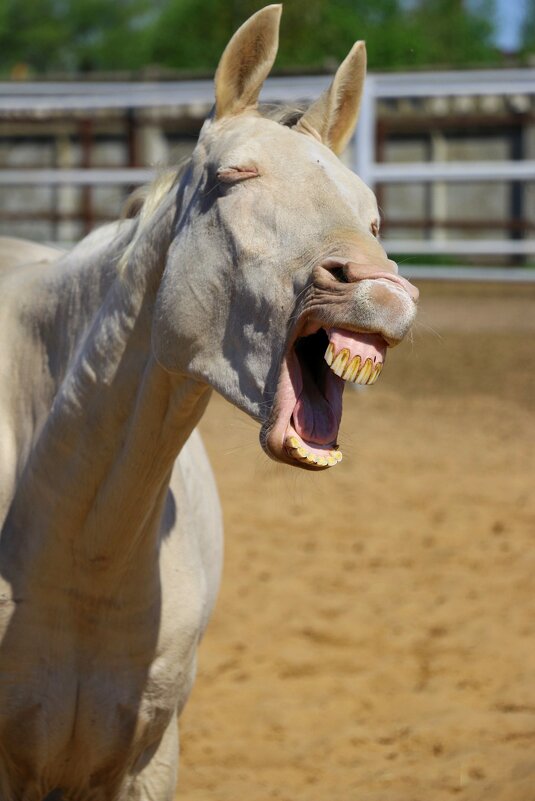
246	62
334	115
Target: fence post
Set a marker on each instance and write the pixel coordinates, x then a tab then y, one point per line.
364	142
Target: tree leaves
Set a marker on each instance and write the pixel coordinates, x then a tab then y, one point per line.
96	35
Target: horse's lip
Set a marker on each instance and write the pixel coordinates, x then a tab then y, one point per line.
273	434
273	431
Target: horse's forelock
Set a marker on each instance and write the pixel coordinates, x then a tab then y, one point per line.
282	113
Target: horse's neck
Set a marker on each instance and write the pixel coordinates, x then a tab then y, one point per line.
103	458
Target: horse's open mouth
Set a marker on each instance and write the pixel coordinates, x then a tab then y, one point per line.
309	396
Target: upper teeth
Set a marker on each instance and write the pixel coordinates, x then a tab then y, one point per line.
351	370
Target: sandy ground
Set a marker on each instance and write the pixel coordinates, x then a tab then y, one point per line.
374	638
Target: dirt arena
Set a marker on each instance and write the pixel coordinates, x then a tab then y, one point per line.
374	638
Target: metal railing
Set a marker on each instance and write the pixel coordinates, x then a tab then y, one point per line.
18	100
510	83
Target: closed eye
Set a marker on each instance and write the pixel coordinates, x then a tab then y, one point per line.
232	175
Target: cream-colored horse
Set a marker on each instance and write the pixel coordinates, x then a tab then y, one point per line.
255	270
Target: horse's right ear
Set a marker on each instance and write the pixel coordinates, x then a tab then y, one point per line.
246	62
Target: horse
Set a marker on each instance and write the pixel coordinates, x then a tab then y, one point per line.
255	270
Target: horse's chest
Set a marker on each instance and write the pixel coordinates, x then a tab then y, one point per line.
87	734
86	687
83	736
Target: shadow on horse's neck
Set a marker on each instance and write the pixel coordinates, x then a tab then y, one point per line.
102	460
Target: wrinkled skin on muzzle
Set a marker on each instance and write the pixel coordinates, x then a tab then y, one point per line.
276	289
378	299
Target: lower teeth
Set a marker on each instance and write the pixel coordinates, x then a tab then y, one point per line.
302	454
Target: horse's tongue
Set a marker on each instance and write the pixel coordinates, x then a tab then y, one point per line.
316	416
367	346
317	412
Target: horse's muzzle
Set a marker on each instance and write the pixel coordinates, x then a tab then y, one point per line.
367	298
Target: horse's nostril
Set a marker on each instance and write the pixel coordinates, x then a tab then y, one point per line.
337	269
340	274
346	273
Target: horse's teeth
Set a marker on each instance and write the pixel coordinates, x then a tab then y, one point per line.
340	362
353	370
350	373
365	373
301	453
376	373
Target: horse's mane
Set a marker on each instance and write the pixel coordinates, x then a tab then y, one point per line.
144	201
282	113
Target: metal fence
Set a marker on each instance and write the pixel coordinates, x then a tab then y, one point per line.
41	100
479	83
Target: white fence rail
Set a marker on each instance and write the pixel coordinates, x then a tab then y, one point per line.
41	99
516	84
125	176
452	171
462	247
429	84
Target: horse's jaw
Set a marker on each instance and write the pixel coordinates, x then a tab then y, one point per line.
320	358
311	385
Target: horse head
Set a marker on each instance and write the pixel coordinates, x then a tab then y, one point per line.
276	289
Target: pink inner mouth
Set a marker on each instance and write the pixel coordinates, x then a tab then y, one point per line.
312	399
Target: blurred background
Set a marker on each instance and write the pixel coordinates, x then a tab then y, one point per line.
96	95
374	635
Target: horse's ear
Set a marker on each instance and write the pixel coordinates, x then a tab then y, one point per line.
246	62
334	115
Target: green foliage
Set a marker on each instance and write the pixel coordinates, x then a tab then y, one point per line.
189	34
74	35
454	33
86	35
528	32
